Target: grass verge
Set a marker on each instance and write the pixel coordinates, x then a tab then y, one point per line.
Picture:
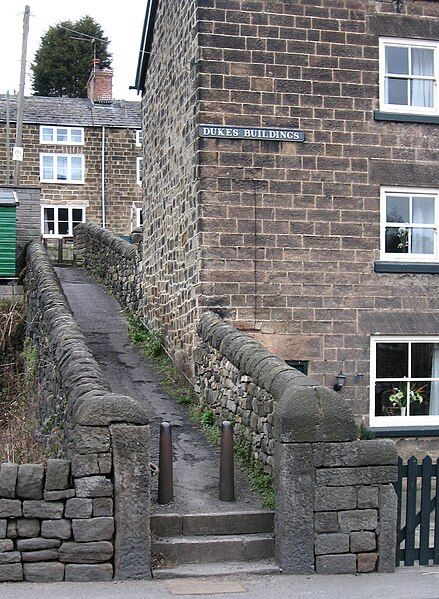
19	427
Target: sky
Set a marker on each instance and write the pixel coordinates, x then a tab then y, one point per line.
122	23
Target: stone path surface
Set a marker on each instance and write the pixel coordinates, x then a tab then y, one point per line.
196	462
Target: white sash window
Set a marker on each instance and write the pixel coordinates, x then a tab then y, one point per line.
409	74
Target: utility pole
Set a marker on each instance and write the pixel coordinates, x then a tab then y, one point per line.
8	140
18	148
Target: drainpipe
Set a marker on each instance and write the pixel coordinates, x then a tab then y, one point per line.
103	177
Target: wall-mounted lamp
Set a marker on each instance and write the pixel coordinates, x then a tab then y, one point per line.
398	5
340	381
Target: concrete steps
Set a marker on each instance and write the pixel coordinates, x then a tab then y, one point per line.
224	523
190	545
262	567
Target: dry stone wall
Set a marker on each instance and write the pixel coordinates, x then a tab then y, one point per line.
335	501
73	518
50	530
112	259
235	396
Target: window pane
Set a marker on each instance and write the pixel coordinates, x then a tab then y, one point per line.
49	214
419	398
396	241
397	209
423	241
61	134
76	135
49	227
423	210
47	167
49	221
63	228
77	215
76	166
391	360
397	60
61	168
422	355
422	93
47	134
63	214
396	91
390	398
423	62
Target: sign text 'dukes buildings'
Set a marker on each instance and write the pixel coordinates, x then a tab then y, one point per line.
264	134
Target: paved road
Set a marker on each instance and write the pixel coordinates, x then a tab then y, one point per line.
416	583
196	463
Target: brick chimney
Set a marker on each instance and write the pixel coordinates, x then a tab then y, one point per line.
99	84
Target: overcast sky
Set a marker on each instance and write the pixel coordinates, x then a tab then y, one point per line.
121	22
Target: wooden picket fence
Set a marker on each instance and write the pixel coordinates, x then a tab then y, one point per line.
417	490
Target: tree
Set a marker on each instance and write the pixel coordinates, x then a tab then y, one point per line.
63	60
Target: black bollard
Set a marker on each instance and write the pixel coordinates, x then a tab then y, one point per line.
60	250
227	474
166	478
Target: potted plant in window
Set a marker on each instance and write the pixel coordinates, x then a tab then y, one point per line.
398	396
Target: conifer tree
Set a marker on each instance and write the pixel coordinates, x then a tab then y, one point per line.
63	60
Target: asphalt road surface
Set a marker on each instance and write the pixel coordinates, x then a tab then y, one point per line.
415	582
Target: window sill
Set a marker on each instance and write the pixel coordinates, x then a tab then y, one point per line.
404	117
410	431
62	182
407	267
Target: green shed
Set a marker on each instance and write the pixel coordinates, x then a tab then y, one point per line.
8	233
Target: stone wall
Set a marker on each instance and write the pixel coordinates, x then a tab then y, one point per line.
74	519
335	502
113	260
52	527
233	394
172	232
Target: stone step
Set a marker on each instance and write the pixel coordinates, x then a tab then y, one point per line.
225	523
217	569
214	548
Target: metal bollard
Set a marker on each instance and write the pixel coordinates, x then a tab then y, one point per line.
166	478
227	473
60	250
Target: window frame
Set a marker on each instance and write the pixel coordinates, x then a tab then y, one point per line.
139	161
138	138
56	207
408	257
409	43
139	217
69	141
397	421
69	180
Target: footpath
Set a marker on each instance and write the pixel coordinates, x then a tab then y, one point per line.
196	462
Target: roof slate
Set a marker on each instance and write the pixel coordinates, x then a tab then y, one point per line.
82	112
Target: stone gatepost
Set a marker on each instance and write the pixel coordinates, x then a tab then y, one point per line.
335	502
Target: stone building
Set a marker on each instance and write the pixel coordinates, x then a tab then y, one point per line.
292	184
84	154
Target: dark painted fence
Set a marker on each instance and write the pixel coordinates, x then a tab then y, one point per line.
417	489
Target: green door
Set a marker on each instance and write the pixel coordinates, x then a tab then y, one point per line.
8	238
